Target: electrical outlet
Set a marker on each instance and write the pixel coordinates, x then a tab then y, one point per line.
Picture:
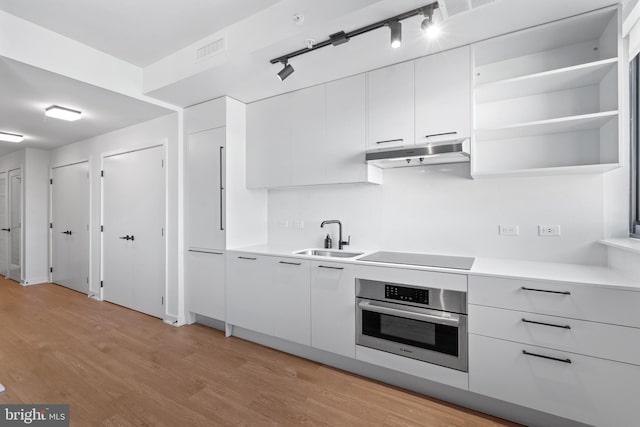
508	230
549	230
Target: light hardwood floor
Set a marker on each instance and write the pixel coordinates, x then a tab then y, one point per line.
117	367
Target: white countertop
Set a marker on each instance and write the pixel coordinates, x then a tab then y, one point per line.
482	266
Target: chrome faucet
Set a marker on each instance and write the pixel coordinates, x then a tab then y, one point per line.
341	243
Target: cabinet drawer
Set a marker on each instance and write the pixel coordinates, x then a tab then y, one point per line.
432	279
602	340
598	304
590	390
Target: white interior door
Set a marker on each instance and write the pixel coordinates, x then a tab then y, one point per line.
15	225
133	217
4	225
70	226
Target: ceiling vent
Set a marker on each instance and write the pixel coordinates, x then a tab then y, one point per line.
211	49
451	8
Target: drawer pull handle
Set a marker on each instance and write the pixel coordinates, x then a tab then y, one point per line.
390	140
440	134
206	252
546	324
247	258
333	268
546	291
542	356
290	263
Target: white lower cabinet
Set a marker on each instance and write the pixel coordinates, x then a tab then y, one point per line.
289	299
248	292
586	389
269	295
205	283
333	310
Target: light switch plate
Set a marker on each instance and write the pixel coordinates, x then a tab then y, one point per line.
549	230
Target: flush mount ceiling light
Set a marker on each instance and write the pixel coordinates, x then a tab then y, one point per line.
336	39
63	113
286	71
11	137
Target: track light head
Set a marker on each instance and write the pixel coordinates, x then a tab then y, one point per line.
396	33
430	27
286	71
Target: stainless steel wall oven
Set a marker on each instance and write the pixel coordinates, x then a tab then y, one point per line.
422	323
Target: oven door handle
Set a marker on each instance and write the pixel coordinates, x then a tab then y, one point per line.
366	305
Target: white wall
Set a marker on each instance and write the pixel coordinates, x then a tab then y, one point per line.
35	216
163	130
427	209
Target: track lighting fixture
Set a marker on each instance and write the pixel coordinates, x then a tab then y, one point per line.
429	26
396	34
286	71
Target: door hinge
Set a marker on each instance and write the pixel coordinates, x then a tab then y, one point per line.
162	231
162	300
102	173
101	284
101	228
51	181
50	225
163	163
50	269
87	280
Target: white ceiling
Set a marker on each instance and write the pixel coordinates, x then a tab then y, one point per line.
137	31
27	91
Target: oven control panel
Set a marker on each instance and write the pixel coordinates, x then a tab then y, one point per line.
401	293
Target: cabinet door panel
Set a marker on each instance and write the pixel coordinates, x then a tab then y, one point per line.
443	96
307	123
248	292
203	181
205	283
344	147
590	390
391	106
333	310
269	143
289	299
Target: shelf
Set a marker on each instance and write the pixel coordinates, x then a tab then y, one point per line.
561	170
545	127
549	81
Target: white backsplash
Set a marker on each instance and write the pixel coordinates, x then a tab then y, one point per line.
439	209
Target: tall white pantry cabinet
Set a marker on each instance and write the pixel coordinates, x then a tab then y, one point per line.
220	212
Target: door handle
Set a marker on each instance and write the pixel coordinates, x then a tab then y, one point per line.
127	237
440	134
390	140
423	317
5	229
524	288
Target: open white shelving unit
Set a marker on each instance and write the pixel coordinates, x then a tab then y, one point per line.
546	99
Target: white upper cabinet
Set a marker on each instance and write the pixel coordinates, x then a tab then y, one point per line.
307	125
269	143
443	96
391	106
309	137
345	141
204	180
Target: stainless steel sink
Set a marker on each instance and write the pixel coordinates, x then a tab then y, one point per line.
326	253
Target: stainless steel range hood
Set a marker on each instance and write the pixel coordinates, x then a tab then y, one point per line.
455	151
